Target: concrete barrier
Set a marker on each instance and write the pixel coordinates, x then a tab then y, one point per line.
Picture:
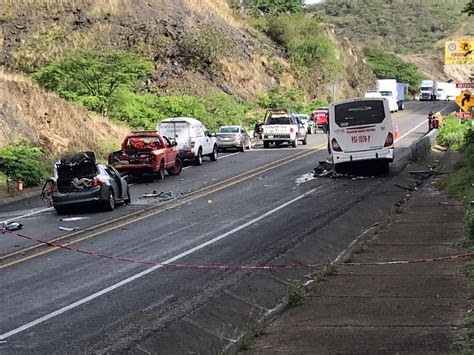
423	146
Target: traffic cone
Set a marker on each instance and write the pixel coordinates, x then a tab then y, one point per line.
397	134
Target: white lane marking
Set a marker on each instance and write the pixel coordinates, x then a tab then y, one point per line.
422	123
151	269
228	155
411	130
27	215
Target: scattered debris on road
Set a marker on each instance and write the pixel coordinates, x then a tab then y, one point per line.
68	229
72	219
11	226
162	196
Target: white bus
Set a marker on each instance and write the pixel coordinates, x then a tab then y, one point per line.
361	130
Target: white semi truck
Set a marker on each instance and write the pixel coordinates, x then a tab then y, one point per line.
428	90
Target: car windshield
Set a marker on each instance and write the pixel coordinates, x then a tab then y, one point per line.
279	120
426	88
386	93
359	113
229	130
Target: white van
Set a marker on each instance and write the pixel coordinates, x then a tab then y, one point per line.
361	130
193	139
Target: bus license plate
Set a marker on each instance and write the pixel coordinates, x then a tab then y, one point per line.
360	139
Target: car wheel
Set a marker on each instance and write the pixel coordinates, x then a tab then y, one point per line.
161	172
242	148
214	154
250	145
198	159
128	199
266	144
294	143
110	203
304	140
178	167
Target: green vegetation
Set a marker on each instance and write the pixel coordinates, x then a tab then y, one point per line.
294	292
108	83
202	48
313	55
92	78
469	9
386	65
20	160
269	7
459	183
452	132
397	25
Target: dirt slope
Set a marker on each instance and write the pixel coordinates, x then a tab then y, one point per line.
35	32
48	121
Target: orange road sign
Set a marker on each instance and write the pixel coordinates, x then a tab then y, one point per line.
465	101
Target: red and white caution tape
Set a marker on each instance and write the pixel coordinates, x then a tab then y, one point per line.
231	266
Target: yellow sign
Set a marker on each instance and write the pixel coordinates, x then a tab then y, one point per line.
465	101
459	52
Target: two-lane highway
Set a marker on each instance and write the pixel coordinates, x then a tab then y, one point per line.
246	208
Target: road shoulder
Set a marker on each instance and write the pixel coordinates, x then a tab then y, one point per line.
416	307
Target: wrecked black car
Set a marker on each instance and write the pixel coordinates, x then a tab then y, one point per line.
81	181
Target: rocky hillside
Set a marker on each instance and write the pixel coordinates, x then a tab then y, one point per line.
50	122
197	46
414	31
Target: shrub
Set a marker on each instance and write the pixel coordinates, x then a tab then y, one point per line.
295	292
21	160
386	65
201	48
92	78
452	132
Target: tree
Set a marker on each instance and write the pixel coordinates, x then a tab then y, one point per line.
92	78
272	7
469	9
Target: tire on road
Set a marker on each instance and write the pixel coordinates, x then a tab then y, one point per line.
266	144
294	143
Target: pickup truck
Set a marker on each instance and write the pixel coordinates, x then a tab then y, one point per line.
147	152
281	127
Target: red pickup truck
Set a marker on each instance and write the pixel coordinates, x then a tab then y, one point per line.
321	116
147	153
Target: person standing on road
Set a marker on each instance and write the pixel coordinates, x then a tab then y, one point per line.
430	121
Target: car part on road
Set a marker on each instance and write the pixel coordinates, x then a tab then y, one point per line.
12	226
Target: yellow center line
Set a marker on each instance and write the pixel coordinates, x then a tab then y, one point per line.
231	182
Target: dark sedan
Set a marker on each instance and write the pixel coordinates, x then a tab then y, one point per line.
80	181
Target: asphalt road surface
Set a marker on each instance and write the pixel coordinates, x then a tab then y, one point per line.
246	208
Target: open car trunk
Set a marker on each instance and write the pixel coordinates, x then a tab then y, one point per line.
76	172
